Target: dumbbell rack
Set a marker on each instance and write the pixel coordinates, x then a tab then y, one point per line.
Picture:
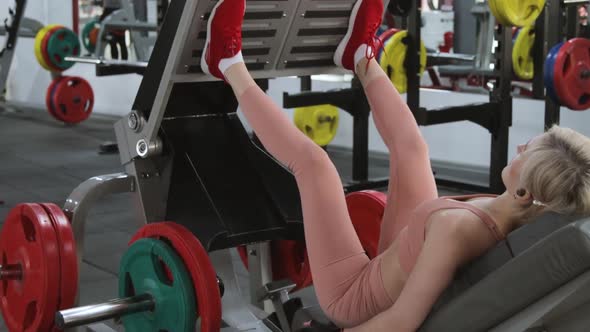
563	15
495	116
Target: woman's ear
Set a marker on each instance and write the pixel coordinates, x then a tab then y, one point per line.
523	195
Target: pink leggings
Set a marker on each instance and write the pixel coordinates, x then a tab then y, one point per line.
348	285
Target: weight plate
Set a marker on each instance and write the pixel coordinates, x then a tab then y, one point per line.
87	35
39	54
519	13
196	259
522	59
73	99
289	261
366	212
68	259
548	73
571	75
385	37
45	46
319	123
393	61
497	14
49	96
62	43
28	240
150	266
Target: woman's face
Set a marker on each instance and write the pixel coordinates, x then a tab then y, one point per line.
511	173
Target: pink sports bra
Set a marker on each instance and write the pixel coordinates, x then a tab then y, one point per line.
412	238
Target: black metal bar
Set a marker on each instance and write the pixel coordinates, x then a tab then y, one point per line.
412	62
305	83
148	89
112	70
162	8
366	185
480	114
571	22
339	98
360	146
539	55
12	30
502	119
461	186
553	35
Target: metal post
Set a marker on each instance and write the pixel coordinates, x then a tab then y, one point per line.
305	83
571	21
103	311
360	142
539	56
503	117
553	35
412	62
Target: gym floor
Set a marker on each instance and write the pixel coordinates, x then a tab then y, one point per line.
42	160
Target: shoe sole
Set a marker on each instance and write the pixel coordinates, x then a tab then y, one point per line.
339	54
204	65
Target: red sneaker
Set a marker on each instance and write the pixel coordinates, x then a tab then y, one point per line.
365	19
224	35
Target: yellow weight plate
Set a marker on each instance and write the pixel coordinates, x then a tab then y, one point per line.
497	13
39	42
518	13
319	123
394	56
383	59
522	60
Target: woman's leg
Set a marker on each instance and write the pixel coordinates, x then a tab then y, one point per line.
348	285
411	181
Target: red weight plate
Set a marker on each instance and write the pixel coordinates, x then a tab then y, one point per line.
28	240
49	97
73	99
67	255
243	252
197	261
44	46
366	211
289	260
572	74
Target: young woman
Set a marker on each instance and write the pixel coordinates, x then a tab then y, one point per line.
424	239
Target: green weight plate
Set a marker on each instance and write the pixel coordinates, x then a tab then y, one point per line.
62	43
86	40
152	267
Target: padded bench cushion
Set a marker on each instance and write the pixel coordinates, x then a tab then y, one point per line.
478	305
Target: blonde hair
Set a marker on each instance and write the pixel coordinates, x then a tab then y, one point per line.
557	172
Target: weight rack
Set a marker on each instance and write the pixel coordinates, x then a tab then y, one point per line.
557	13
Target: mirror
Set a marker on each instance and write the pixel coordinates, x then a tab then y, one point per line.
120	29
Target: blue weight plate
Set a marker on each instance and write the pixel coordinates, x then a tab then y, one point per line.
52	109
548	72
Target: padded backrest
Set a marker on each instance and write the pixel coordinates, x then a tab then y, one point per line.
496	286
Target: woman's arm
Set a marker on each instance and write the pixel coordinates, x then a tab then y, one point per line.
441	255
